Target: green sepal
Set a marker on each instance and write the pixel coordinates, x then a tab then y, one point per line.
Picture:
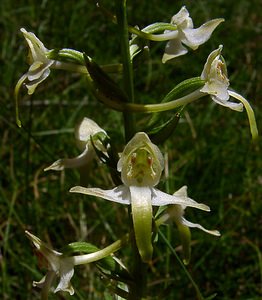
102	84
184	88
66	55
146	33
180	90
107	263
159	27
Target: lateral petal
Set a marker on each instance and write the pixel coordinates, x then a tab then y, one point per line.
194	225
120	194
66	273
198	36
174	48
160	198
83	159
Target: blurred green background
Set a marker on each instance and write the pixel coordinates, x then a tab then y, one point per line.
211	150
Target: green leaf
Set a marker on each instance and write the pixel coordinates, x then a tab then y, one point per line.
161	133
184	88
68	55
104	84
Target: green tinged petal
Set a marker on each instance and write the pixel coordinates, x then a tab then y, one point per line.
141	208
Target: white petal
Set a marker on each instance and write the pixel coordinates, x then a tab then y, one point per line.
120	194
181	17
160	198
66	272
229	104
210	59
36	47
45	284
193	225
182	192
174	48
82	160
39	70
198	36
32	85
50	254
217	89
86	128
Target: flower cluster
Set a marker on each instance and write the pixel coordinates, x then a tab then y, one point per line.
136	167
141	165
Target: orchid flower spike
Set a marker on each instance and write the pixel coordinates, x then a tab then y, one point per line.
83	134
141	165
217	86
186	34
59	267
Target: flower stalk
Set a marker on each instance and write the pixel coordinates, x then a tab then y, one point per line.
121	13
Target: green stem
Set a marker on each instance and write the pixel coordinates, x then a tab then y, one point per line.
127	65
88	258
198	293
139	272
136	289
112	68
154	37
147	108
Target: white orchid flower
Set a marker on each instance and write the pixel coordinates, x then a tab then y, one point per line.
40	65
186	34
61	267
39	68
58	267
141	165
83	134
176	213
217	86
217	83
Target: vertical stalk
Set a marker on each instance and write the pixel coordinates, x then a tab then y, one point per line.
127	65
138	286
